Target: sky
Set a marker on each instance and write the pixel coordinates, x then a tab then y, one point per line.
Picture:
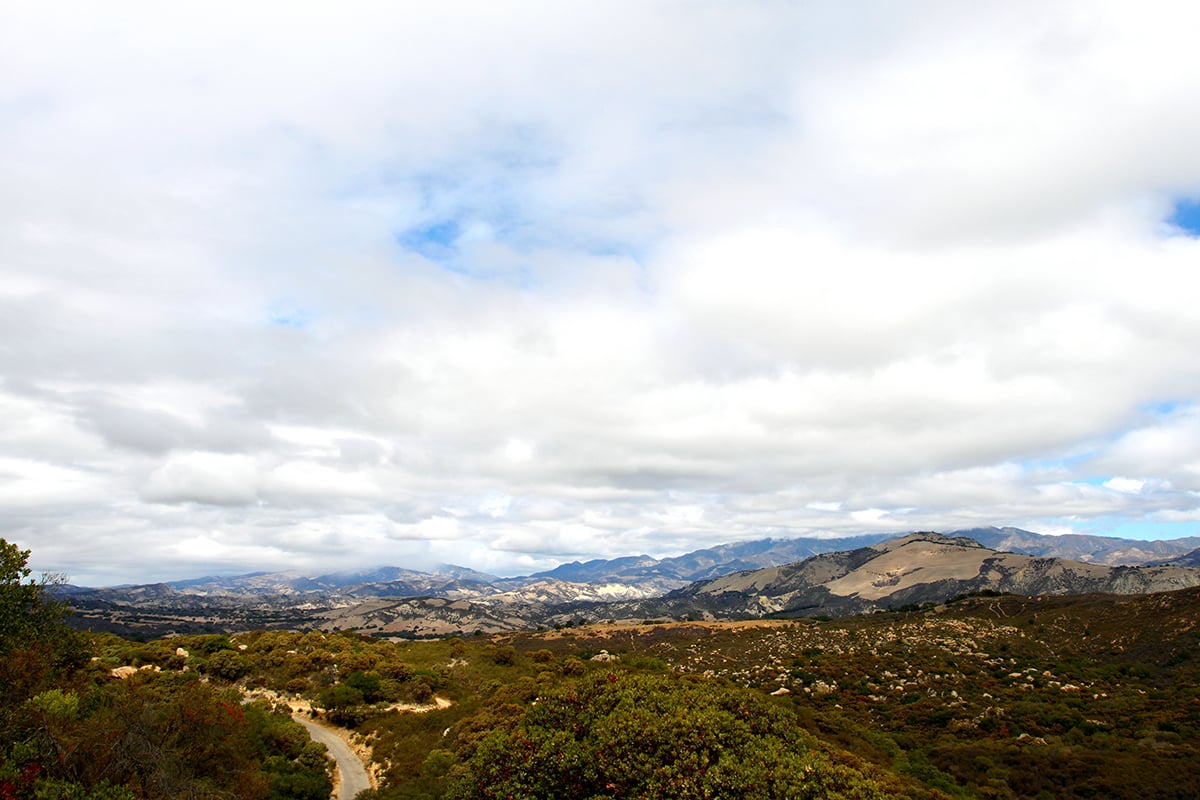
320	286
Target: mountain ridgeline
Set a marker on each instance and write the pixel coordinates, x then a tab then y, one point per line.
912	570
748	580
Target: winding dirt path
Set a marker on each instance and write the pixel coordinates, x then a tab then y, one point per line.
352	774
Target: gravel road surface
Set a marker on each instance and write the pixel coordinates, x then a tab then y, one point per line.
353	775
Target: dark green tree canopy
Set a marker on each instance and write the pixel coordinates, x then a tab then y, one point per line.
28	614
36	646
632	735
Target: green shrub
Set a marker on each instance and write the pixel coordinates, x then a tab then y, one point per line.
641	735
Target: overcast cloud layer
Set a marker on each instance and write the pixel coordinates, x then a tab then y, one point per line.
318	286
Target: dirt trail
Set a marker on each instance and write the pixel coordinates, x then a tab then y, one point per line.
355	770
352	775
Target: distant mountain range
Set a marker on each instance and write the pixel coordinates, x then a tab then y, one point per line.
658	575
806	576
621	578
448	581
906	572
1108	550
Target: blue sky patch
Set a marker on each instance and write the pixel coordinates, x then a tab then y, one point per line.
435	241
1143	529
1166	408
1070	462
295	319
1186	216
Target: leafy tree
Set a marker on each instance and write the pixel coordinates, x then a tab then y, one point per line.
36	646
652	736
420	689
504	656
367	683
340	697
27	614
227	665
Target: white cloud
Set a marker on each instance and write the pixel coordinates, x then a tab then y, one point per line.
869	516
27	485
210	478
438	528
522	284
1127	485
307	482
